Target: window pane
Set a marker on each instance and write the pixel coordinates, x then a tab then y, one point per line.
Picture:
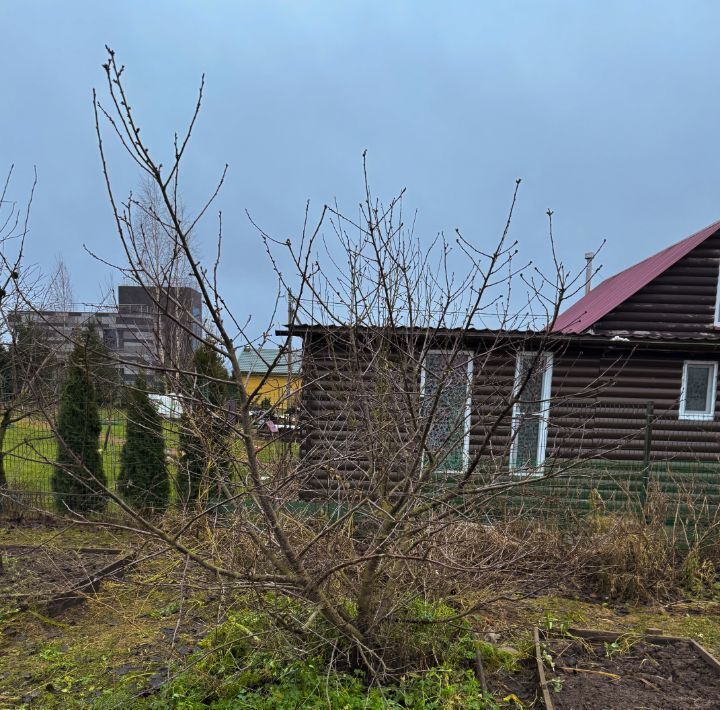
531	395
446	437
528	410
696	388
526	442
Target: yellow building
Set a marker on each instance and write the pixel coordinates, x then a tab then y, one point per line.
255	365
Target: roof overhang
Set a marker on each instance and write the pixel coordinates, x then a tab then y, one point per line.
550	340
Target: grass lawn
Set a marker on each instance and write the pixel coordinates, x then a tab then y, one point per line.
30	450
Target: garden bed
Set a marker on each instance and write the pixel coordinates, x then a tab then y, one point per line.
589	670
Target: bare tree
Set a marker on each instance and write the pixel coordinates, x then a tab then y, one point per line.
393	498
13	230
162	268
60	293
24	358
158	251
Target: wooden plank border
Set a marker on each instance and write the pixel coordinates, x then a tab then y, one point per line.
596	635
541	670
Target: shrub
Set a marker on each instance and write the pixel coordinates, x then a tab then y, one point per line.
628	559
204	444
98	362
698	573
78	476
191	463
421	637
143	478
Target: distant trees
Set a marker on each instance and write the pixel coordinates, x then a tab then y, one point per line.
78	477
60	293
204	444
143	479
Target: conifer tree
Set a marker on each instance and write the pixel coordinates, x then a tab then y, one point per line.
78	476
204	444
143	479
103	371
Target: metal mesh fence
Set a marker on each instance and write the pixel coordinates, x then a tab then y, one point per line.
612	457
600	456
30	451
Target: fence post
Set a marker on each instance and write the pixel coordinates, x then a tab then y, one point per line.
649	412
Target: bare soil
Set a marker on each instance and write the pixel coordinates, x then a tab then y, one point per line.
669	676
36	572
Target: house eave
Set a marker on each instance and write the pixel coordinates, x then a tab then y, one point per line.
626	340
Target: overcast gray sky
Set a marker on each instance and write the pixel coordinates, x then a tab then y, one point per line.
607	110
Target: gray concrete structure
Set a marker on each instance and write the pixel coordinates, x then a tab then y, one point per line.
143	330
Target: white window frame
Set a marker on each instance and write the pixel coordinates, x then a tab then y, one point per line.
543	415
468	401
709	414
717	300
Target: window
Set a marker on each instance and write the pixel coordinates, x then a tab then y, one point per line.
448	436
533	373
697	395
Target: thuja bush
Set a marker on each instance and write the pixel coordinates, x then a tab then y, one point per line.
143	478
78	477
192	462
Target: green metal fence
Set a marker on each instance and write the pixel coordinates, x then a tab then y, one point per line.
635	455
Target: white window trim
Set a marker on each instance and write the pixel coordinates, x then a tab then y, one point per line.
709	414
717	300
544	415
468	402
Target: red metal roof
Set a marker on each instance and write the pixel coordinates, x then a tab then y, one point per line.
613	291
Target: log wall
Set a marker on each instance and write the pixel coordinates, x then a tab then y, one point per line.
598	411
